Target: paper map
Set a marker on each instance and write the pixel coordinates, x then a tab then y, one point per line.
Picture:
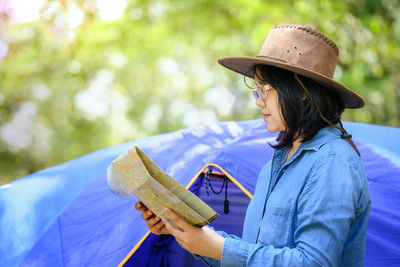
135	173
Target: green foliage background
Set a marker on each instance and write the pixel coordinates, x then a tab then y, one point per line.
154	70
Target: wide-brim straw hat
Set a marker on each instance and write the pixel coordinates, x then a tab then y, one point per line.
302	50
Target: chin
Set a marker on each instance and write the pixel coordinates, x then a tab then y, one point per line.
272	129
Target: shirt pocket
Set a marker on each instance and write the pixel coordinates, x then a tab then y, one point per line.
275	226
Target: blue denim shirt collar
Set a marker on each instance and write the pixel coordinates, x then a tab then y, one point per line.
322	137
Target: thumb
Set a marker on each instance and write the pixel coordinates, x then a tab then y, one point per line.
177	219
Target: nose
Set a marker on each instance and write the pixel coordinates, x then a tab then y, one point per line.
260	102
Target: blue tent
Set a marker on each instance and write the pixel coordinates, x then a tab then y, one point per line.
67	216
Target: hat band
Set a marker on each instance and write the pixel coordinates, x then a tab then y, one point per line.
294	65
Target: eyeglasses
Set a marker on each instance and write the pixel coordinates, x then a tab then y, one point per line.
261	91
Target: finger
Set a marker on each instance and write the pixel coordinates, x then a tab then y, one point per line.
147	214
170	228
157	225
153	221
163	230
159	228
140	206
178	220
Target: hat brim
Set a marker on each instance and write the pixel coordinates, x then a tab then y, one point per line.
245	66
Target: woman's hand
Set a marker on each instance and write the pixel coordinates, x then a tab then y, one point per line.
201	241
154	223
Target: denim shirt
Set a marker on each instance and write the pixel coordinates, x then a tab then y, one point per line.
312	210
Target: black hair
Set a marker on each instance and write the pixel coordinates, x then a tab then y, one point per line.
306	106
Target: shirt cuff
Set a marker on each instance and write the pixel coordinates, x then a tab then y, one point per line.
234	252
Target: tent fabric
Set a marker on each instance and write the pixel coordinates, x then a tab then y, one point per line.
67	216
382	139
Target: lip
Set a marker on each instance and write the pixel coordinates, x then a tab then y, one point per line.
265	115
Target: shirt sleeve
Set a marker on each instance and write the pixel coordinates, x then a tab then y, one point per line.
325	212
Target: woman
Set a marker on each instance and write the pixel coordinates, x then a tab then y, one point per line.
311	202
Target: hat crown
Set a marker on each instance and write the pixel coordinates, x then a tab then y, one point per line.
301	46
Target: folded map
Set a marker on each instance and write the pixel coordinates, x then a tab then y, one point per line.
135	173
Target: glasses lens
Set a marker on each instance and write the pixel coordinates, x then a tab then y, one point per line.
249	82
263	91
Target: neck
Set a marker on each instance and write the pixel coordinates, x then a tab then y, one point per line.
295	146
297	143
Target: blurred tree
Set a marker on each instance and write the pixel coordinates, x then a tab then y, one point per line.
84	75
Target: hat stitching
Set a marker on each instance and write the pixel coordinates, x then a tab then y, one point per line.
313	32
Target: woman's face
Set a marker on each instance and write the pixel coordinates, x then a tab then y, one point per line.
270	106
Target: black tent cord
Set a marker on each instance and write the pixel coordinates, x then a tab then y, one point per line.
225	183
